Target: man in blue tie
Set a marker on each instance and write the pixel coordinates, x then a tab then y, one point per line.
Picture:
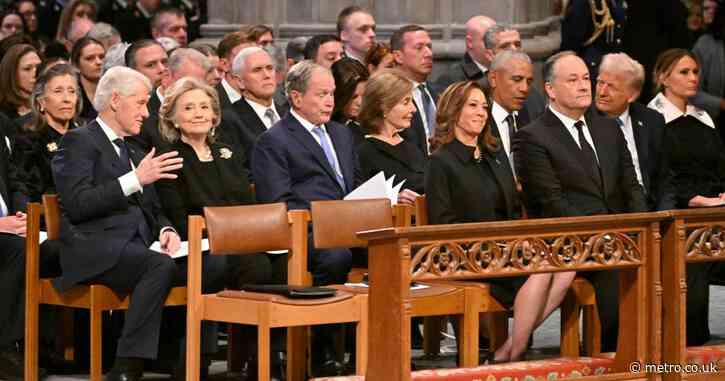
306	157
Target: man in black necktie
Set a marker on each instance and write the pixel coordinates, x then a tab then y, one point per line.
413	53
573	163
111	215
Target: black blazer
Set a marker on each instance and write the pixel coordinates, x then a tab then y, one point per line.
224	101
288	164
98	219
404	160
461	189
4	179
220	182
648	127
555	183
465	70
150	135
241	126
416	132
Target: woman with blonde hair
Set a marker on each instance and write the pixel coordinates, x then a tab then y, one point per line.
387	110
466	182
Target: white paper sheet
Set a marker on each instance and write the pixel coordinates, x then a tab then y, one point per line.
183	249
377	187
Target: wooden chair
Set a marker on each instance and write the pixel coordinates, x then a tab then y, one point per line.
335	224
627	243
692	236
580	298
251	229
95	298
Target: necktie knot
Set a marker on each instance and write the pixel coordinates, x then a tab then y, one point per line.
620	123
271	115
579	125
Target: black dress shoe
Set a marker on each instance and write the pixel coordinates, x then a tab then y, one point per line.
11	366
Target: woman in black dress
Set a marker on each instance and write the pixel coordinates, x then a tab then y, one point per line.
87	55
387	110
18	70
696	156
350	79
466	183
55	108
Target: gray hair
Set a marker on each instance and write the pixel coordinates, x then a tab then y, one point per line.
181	55
278	56
551	62
115	56
167	112
121	80
298	77
490	38
621	63
168	43
240	61
295	49
103	32
502	58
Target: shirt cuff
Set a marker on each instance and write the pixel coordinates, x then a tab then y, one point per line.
130	184
167	228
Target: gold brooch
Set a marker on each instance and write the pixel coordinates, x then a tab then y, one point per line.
52	147
225	153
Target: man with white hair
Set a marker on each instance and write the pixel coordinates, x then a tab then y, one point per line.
112	215
256	111
106	34
618	87
473	65
184	62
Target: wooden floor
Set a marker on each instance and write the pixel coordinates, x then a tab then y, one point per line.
546	341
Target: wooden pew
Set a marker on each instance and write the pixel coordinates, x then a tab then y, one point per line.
473	251
691	236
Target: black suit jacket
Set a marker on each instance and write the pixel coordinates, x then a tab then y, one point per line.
150	135
288	165
549	165
197	186
241	126
403	160
465	70
648	127
98	219
416	132
224	101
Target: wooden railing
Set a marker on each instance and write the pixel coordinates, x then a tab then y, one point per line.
629	243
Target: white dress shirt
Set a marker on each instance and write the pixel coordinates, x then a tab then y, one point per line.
628	132
569	124
232	94
129	182
499	115
3	207
309	126
260	110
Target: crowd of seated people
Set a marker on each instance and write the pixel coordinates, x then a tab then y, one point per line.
134	135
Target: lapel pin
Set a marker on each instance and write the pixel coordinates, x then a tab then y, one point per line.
639	123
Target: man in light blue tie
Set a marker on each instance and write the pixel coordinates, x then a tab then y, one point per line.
307	157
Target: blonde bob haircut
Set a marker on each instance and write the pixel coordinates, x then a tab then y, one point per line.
167	113
383	91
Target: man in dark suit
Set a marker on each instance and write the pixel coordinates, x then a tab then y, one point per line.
413	54
307	157
184	62
170	22
230	45
256	111
618	87
476	61
134	22
572	164
111	215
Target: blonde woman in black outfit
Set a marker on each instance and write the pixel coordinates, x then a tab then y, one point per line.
387	110
466	181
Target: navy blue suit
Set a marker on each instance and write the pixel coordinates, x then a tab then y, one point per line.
288	165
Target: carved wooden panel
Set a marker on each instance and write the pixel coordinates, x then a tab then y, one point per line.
705	242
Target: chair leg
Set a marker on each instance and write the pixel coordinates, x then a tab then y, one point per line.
64	339
468	337
592	331
96	344
570	326
263	350
31	339
193	345
296	353
361	347
235	361
432	334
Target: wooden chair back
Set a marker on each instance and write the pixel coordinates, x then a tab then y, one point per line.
248	228
51	210
335	223
421	211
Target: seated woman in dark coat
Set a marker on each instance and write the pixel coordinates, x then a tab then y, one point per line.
387	110
350	78
55	105
466	182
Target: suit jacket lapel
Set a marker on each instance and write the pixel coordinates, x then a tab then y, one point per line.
561	134
249	117
303	136
504	177
344	154
603	154
501	154
640	132
108	150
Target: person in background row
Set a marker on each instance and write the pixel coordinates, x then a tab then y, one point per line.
170	22
73	11
295	50
105	33
229	89
696	158
215	74
261	35
115	56
356	30
710	51
11	22
78	29
87	55
475	61
27	9
379	57
323	49
56	105
149	58
350	79
387	110
18	70
134	22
